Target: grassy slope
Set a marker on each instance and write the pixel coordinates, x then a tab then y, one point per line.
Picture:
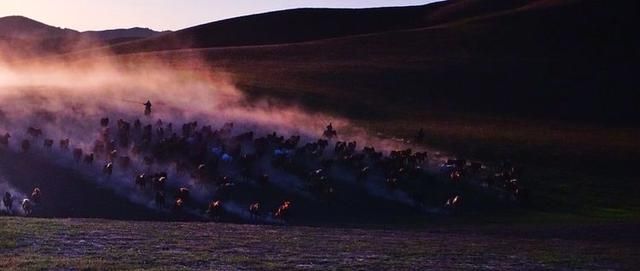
510	86
34	244
538	61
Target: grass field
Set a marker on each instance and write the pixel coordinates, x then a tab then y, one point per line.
79	244
544	88
573	165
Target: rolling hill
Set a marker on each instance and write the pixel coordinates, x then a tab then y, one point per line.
533	59
308	24
489	79
22	36
516	83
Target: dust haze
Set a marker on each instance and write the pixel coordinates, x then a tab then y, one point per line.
67	99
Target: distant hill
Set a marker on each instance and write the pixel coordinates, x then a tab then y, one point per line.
308	24
19	27
122	34
23	36
287	26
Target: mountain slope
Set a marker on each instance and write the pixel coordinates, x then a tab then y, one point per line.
21	36
308	24
20	27
549	59
287	26
122	33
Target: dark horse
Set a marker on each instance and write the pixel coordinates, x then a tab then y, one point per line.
8	202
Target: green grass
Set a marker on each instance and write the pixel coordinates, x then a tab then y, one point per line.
577	170
122	245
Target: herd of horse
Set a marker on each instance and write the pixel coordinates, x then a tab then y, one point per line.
221	157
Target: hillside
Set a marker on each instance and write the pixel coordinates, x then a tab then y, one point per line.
22	36
515	84
535	61
122	33
24	28
308	24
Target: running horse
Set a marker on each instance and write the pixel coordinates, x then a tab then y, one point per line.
27	207
254	210
7	200
36	195
283	211
215	209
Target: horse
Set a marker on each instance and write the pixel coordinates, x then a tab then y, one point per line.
183	194
34	132
36	195
27	207
330	132
454	202
200	172
159	182
7	200
64	144
362	174
283	210
48	143
254	210
89	158
141	181
215	209
108	169
112	155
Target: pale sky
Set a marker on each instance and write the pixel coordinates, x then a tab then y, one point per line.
162	14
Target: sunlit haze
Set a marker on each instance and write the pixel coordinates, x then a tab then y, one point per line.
162	14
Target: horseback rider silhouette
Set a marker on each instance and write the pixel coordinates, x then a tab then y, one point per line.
330	132
147	108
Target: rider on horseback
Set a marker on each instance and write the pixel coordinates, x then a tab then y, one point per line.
147	108
330	132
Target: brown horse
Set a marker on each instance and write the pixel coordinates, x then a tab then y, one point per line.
36	195
283	211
